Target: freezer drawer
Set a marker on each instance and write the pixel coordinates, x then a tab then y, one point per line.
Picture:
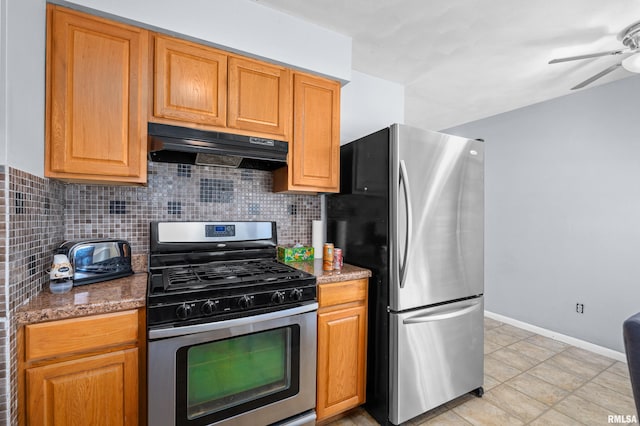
436	355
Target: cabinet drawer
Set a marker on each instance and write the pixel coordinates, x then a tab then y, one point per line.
342	292
77	335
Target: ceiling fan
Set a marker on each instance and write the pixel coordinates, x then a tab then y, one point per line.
630	38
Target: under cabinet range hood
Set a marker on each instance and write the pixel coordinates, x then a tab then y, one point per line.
173	144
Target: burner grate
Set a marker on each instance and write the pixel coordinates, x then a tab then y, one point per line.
227	274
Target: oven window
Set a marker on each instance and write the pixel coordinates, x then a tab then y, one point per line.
225	377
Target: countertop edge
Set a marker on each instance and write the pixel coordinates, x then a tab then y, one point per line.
93	299
347	273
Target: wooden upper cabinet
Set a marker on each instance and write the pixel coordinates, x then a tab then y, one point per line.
96	98
314	162
259	97
190	82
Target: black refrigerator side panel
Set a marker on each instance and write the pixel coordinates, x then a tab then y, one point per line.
358	222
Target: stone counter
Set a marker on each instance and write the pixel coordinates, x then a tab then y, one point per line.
347	273
130	293
91	299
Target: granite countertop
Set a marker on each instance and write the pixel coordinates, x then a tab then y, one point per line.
108	296
130	293
348	272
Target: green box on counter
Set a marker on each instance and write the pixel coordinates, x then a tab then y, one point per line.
295	254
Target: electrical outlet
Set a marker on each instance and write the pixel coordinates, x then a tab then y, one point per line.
580	308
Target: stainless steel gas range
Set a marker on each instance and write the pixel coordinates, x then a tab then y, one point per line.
231	331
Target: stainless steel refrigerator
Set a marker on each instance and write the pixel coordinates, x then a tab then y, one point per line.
411	209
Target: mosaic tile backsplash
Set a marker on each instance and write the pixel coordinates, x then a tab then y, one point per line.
36	226
4	324
45	212
183	192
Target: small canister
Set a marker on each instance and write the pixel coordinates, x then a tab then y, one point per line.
337	259
327	257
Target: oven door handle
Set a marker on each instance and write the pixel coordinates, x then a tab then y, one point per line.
163	333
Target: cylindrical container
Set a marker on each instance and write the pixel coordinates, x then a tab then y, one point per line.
327	257
317	236
337	259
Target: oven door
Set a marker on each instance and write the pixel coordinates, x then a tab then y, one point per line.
246	371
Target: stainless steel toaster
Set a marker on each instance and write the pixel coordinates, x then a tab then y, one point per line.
98	259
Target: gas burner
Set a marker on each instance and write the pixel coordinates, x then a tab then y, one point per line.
226	274
214	276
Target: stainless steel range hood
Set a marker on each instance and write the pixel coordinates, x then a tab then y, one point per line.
173	144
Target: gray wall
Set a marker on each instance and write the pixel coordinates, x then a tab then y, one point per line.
22	38
563	211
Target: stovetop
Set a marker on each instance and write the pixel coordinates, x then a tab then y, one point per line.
226	275
218	278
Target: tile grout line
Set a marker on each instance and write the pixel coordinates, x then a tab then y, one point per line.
570	392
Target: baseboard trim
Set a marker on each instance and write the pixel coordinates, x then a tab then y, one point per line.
600	350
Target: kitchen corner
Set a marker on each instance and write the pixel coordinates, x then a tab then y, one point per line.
107	320
81	335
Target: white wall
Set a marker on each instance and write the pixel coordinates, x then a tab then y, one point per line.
24	34
369	104
244	26
563	211
3	82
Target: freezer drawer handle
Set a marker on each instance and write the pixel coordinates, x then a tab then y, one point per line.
452	313
404	179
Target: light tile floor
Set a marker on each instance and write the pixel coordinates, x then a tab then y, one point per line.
533	380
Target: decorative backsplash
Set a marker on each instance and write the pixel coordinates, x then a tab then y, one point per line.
45	212
36	226
183	192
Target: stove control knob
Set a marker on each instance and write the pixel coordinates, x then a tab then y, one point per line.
183	311
245	302
208	307
278	297
296	294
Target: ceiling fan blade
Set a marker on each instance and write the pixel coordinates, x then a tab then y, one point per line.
597	76
589	55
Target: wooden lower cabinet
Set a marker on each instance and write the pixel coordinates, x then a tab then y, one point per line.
101	389
83	371
342	347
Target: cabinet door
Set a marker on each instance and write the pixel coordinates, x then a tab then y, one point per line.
259	97
96	102
342	344
96	390
190	82
314	152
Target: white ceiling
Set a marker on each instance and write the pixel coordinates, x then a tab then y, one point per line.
462	60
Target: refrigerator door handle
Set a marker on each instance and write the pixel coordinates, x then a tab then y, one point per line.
404	180
438	316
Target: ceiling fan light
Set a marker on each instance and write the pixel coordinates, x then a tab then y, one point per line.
632	63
